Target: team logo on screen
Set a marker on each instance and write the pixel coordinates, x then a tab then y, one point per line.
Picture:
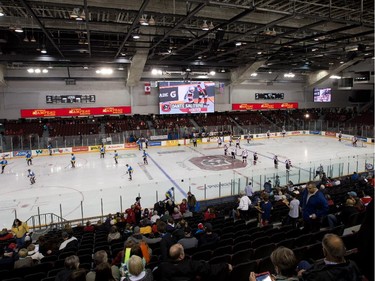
165	107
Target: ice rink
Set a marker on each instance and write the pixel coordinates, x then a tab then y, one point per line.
104	187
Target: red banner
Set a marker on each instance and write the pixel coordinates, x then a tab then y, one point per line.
85	111
264	106
80	148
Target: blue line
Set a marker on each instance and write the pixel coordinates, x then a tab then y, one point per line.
165	173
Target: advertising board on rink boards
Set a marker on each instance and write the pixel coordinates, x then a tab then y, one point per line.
80	148
330	134
170	142
114	146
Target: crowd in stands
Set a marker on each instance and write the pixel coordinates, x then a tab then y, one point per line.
263	120
256	232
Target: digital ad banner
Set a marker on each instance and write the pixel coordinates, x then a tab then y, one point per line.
264	106
186	97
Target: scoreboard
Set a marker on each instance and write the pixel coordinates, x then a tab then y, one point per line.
269	96
71	99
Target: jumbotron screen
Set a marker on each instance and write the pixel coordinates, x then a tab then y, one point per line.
186	97
322	94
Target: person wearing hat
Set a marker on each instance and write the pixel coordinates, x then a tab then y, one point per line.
358	203
344	216
208	237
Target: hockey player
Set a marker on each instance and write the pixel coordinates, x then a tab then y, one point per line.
238	140
3	163
230	140
29	158
340	136
319	171
249	137
275	161
233	152
189	96
287	165
268	134
102	151
219	141
31	175
73	160
49	147
116	157
283	132
245	154
146	142
225	149
145	157
255	158
354	141
129	172
202	93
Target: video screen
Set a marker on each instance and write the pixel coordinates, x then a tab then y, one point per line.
186	97
322	94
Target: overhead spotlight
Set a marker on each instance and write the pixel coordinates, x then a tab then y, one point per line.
74	13
335	77
37	70
307	115
205	25
120	68
104	71
151	21
136	36
43	50
26	39
254	74
123	54
270	72
341	62
222	70
18	29
32	40
289	75
1	12
85	67
154	71
259	53
45	70
273	32
238	44
211	26
143	20
212	72
30	70
188	69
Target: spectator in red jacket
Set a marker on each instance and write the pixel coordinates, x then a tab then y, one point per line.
209	214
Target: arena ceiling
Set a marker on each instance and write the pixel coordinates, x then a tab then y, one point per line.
300	36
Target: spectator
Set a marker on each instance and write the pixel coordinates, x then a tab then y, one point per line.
334	266
358	203
344	216
208	237
249	190
6	259
155	217
101	268
209	214
268	187
103	272
314	207
71	263
293	214
20	230
78	275
5	235
167	240
265	210
34	253
183	206
191	201
70	243
243	206
176	215
284	262
113	234
89	227
182	268
24	260
189	241
137	270
354	177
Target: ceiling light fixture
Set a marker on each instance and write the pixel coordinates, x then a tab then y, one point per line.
1	12
143	20
37	70
335	77
32	40
26	39
74	13
205	25
151	21
30	70
238	44
289	75
43	50
104	71
136	36
45	70
254	74
18	29
212	72
211	26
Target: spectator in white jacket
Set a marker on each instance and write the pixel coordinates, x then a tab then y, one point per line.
244	205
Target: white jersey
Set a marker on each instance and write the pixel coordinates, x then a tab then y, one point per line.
245	153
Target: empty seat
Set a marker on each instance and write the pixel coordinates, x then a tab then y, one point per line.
245	255
242	271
